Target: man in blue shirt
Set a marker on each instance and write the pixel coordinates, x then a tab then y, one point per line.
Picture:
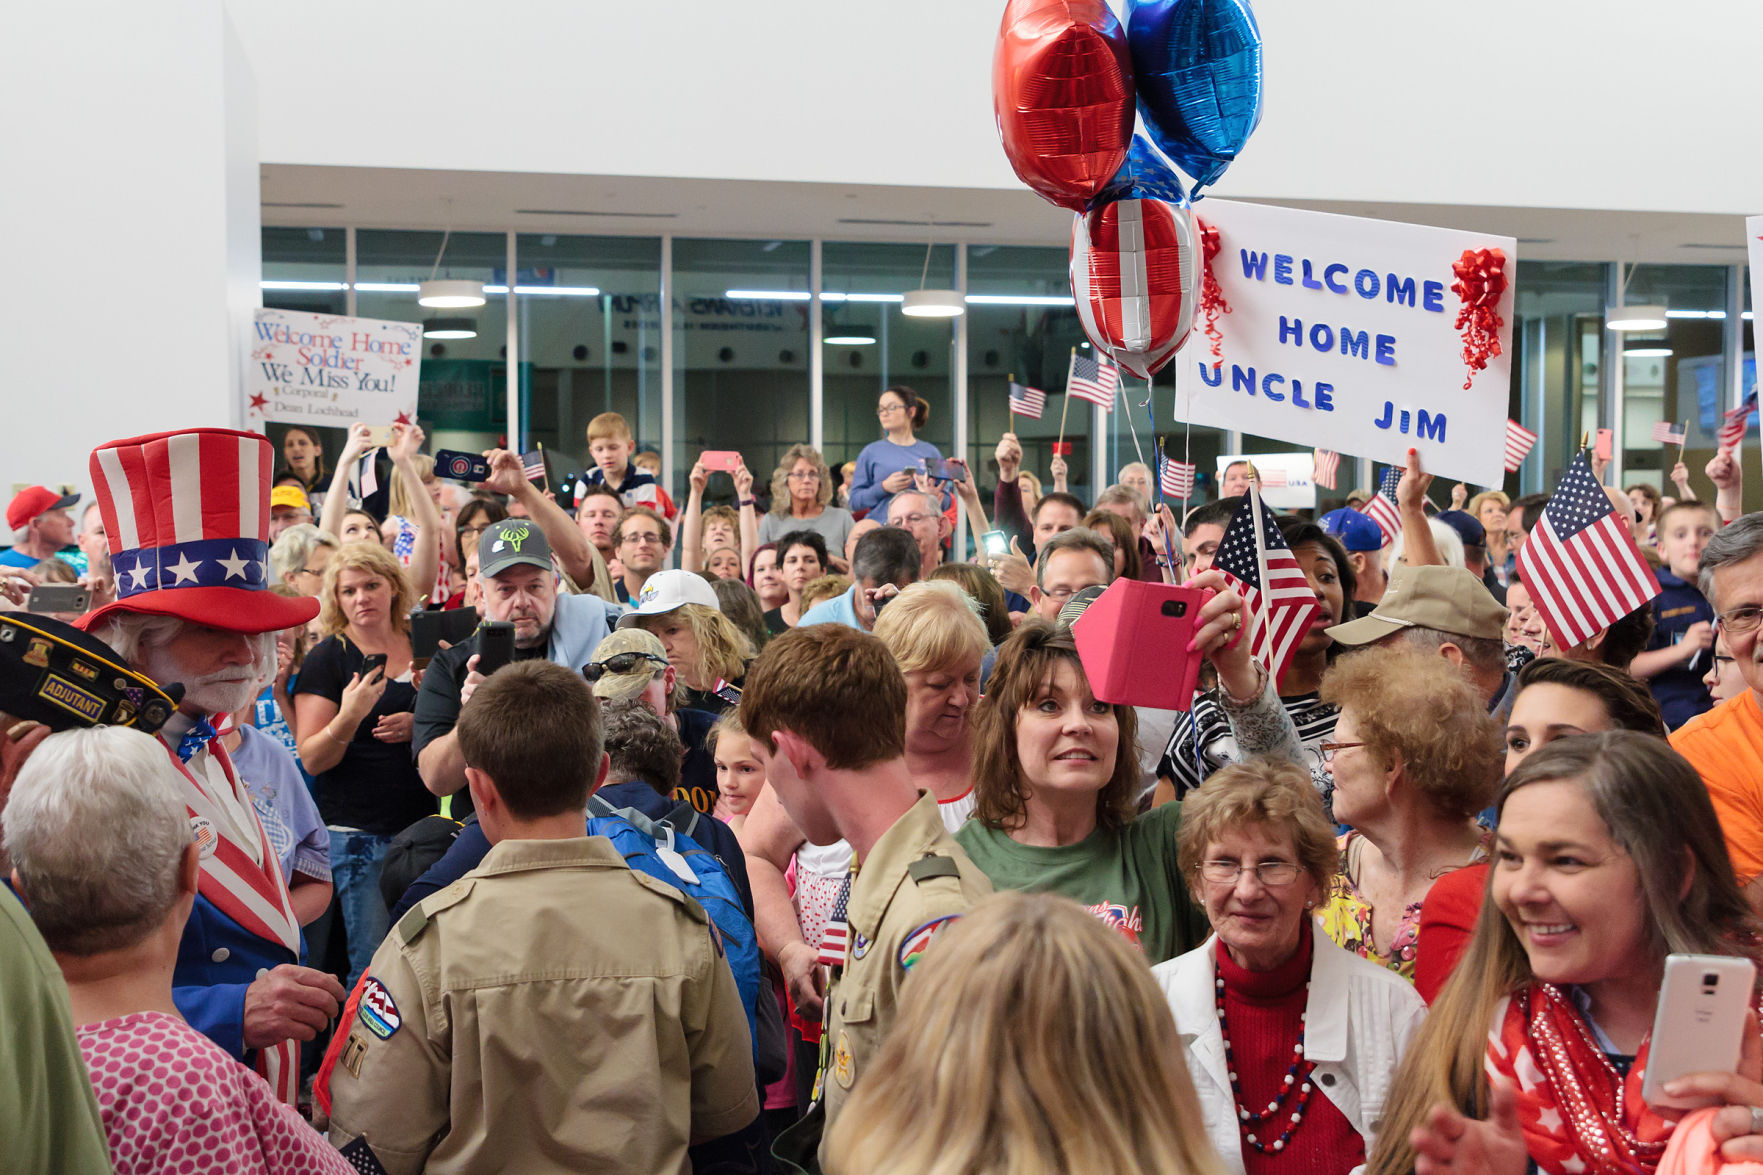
885	562
40	526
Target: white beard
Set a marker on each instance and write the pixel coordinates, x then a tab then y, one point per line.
225	691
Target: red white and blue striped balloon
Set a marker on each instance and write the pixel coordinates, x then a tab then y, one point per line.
1135	266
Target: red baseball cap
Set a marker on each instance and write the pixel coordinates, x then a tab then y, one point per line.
32	501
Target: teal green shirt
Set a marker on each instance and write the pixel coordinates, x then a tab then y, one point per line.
1128	878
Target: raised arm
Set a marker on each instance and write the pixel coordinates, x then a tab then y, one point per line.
1417	545
749	512
425	559
568	543
336	502
691	526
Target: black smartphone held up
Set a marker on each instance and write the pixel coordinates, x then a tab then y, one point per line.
939	469
429	629
371	662
495	645
451	463
58	597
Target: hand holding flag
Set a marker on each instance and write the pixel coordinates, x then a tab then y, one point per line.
1027	401
1277	597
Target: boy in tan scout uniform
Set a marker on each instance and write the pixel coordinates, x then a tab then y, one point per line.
826	709
514	1021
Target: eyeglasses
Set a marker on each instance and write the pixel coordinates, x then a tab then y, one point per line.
1271	874
1330	750
1720	663
1742	619
807	475
884	409
465	530
310	571
641	537
906	521
618	663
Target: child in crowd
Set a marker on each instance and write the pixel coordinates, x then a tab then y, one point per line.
649	461
738	774
611	443
824	588
1682	648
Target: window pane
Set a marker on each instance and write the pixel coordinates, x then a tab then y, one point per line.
463	398
586	353
862	284
1557	345
740	361
1688	384
304	269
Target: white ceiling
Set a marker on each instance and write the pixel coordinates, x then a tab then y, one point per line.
646	206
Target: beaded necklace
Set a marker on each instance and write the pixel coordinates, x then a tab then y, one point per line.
1297	1078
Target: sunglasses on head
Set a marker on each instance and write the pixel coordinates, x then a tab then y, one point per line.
618	663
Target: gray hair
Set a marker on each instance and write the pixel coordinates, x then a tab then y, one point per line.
1078	538
1444	537
132	633
1125	495
1740	541
1484	652
294	547
96	829
641	746
930	506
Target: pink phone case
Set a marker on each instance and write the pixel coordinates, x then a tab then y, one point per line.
725	460
1133	642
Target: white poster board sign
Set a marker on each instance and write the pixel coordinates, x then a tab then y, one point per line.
1342	334
331	371
1288	480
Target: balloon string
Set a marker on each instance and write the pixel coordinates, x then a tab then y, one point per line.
1157	481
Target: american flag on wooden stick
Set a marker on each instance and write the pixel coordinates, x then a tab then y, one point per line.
1328	467
1382	507
1666	433
1257	563
1733	423
1093	380
1178	478
1027	401
1580	562
1519	441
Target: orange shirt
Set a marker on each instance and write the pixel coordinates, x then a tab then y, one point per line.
1725	745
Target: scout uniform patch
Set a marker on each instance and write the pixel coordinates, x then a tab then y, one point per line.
844	1064
377	1011
912	950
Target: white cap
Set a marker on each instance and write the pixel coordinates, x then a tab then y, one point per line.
668	590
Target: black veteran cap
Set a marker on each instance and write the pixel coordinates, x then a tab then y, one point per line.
55	674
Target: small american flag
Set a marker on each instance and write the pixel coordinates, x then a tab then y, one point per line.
366	476
1027	401
1328	466
534	465
1093	380
837	935
1580	562
1665	434
404	546
1519	441
1178	479
1272	479
1734	423
1257	563
1382	507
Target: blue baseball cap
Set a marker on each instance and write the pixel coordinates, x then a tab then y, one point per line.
1355	530
1473	533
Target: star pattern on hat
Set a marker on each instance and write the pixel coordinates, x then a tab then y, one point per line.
235	566
139	574
184	569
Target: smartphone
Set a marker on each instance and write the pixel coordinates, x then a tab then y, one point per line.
495	645
995	542
429	629
1700	1023
1134	624
939	469
371	662
58	597
725	460
461	466
379	435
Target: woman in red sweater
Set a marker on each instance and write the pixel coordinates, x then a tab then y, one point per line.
1555	698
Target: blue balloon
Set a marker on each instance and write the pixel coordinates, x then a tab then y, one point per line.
1197	67
1144	176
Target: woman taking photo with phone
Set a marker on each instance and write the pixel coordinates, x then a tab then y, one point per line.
1608	858
889	466
354	706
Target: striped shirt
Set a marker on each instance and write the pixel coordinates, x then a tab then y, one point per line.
1314	719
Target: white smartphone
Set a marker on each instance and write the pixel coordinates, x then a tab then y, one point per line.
1700	1024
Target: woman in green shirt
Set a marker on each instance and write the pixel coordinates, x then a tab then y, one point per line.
1055	773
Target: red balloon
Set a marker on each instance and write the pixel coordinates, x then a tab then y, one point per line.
1135	272
1062	92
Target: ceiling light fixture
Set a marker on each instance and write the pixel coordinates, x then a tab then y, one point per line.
444	327
1656	348
853	335
448	293
1648	316
926	303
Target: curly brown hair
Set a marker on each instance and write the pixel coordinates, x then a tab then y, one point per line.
1025	662
1417	709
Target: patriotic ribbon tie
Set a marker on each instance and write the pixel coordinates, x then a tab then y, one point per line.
195	739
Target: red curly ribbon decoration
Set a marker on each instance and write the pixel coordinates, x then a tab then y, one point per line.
1212	302
1481	281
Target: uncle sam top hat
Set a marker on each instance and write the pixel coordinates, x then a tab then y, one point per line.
187	514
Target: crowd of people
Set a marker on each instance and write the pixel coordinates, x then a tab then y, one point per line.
364	820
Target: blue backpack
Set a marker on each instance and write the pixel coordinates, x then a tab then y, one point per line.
665	850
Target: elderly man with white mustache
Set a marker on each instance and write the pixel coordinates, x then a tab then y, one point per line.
187	515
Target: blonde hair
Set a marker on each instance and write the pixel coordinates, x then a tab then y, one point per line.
1008	1054
1417	708
609	426
780	477
1475	504
823	587
933	625
401	502
370	557
728	724
723	649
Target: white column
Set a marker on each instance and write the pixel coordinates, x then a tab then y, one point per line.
958	376
666	361
816	359
515	440
133	243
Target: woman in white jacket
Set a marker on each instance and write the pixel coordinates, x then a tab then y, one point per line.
1292	1042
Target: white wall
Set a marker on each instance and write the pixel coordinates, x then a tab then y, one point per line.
128	224
1493	103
